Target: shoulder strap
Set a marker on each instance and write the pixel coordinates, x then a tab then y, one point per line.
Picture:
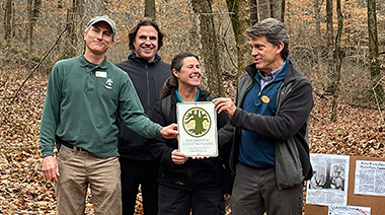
210	97
166	106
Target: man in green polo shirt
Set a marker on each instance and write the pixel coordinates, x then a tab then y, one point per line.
83	95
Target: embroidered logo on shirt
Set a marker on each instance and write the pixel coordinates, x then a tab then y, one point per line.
109	83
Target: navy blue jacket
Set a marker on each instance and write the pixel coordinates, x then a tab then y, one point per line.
288	128
148	79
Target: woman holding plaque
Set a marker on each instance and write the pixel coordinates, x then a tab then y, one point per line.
186	184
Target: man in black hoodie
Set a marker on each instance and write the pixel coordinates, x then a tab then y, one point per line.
148	73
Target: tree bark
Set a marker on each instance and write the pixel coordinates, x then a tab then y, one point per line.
7	20
253	12
337	83
374	65
264	10
240	22
283	9
29	34
149	8
330	44
209	51
74	29
329	22
318	32
33	11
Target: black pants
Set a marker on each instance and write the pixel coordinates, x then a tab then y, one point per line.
208	201
133	173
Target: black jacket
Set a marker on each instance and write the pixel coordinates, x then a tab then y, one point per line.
193	174
148	79
288	128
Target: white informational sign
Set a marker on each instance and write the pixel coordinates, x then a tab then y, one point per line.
197	126
348	210
329	184
370	178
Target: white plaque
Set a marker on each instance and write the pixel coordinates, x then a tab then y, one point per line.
197	126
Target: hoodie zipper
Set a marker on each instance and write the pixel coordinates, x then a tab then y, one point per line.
148	85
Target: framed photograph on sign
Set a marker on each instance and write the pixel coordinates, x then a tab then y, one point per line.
197	126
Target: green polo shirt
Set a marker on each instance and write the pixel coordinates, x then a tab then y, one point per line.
80	106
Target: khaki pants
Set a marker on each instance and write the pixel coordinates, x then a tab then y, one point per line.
80	169
255	192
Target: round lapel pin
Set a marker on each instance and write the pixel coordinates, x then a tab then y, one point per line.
265	99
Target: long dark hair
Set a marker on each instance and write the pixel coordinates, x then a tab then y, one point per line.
146	21
172	82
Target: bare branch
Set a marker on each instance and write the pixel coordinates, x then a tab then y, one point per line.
37	66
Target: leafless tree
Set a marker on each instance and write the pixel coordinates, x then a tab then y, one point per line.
330	43
149	8
375	71
337	79
239	14
7	20
209	46
253	12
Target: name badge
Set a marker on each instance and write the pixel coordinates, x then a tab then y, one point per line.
101	74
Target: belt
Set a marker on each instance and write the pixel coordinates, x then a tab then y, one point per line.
72	146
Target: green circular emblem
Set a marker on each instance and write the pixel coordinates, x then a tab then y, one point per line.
196	122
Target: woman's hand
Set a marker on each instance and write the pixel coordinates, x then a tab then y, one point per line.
178	157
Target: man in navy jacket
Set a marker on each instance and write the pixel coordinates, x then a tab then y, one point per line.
269	127
148	73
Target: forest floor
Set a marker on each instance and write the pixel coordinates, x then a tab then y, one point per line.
24	190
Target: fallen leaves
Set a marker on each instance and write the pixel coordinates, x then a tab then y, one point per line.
24	190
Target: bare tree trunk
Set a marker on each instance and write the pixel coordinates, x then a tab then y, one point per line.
33	13
329	22
149	8
318	32
330	44
271	9
239	19
7	20
263	9
375	70
283	9
74	29
36	11
209	50
338	63
253	12
277	9
29	34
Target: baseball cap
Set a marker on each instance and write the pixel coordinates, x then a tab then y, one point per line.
105	19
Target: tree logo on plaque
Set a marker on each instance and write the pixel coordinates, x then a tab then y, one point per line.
196	122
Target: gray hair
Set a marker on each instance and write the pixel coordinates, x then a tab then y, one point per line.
274	31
